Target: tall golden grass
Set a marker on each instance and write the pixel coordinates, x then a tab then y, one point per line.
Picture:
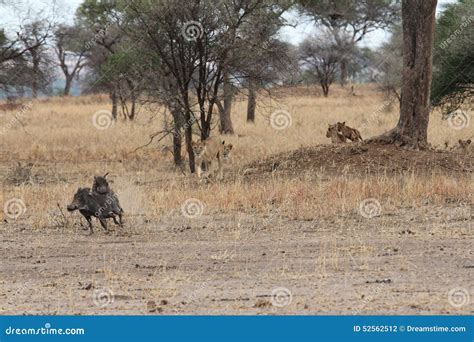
59	137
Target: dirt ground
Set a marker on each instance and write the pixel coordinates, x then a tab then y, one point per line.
232	265
298	226
405	260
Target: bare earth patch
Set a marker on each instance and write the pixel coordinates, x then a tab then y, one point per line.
402	262
298	226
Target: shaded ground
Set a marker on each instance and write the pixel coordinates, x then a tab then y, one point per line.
364	159
402	262
408	260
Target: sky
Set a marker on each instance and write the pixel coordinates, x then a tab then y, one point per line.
13	12
305	27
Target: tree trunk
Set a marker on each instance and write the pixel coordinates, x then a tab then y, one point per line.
225	119
325	88
418	19
177	138
34	88
132	110
343	70
188	130
113	97
132	93
34	83
205	129
252	102
67	86
188	134
177	148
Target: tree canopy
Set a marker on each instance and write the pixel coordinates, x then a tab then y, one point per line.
453	73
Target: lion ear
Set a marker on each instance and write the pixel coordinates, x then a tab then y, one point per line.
344	123
230	146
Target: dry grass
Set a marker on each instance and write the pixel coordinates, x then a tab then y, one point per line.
59	137
302	231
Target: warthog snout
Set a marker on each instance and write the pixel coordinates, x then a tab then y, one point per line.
72	207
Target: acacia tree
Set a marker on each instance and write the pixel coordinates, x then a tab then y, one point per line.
70	48
350	21
264	68
106	44
12	48
418	22
254	51
453	75
259	56
34	39
320	57
14	63
192	44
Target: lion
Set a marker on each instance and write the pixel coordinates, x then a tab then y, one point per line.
335	135
350	133
207	151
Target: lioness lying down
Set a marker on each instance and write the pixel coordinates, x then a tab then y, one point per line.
350	133
339	133
210	150
335	135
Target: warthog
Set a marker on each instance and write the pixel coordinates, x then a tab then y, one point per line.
100	206
102	191
100	185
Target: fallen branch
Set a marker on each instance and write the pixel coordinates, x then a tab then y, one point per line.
152	137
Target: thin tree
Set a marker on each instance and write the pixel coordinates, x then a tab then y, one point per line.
192	43
14	59
320	57
70	47
34	39
350	21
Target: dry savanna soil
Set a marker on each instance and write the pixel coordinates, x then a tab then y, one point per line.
297	225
